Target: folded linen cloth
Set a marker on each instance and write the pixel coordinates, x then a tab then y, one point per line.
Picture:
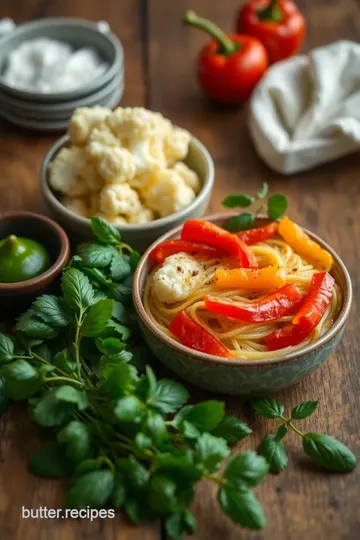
306	110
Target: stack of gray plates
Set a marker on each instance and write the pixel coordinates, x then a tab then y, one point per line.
51	111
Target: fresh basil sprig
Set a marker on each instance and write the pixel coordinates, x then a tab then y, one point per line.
275	207
324	450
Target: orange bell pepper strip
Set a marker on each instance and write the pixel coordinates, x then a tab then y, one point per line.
270	277
297	238
280	303
193	335
197	230
253	236
171	247
308	317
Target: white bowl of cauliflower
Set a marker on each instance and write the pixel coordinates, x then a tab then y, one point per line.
131	166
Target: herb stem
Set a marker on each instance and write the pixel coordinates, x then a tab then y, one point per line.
66	379
76	343
214	477
41	359
291	425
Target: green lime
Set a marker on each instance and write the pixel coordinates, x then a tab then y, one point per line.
21	259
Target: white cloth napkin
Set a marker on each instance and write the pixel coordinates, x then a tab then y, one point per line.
306	110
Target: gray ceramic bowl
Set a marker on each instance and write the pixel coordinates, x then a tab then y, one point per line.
139	236
240	377
76	32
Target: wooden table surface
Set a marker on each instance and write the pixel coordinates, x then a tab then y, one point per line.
301	503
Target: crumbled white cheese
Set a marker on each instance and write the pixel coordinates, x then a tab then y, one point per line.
177	278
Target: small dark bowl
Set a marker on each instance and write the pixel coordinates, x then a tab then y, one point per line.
15	297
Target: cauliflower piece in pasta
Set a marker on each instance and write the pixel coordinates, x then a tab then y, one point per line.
176	145
120	199
177	278
144	216
167	193
78	205
115	165
189	176
83	121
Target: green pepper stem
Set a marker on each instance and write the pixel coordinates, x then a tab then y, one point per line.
271	13
228	47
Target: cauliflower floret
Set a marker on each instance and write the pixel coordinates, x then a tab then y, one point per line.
148	155
65	173
144	216
120	199
137	123
168	193
176	145
99	139
177	278
114	220
78	205
189	176
83	121
115	165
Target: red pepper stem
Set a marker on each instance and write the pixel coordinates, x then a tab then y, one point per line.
228	47
271	13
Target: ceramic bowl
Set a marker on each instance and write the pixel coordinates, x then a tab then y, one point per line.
17	296
240	377
139	236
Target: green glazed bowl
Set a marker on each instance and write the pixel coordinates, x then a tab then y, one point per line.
232	376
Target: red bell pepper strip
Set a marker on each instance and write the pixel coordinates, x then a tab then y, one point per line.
278	304
171	247
229	66
308	317
193	335
253	236
278	24
197	230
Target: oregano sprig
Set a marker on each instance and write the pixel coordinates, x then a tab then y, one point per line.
324	450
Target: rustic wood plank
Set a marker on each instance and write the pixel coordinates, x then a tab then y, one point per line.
302	502
21	153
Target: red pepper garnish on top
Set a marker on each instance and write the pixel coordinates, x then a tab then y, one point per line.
253	236
193	335
278	24
229	66
197	230
309	315
280	303
171	247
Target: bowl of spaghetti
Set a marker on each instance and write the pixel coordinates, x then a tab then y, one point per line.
245	313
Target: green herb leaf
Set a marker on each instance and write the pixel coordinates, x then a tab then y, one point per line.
168	396
277	206
162	494
119	493
204	416
211	451
142	442
180	524
52	310
274	452
63	361
155	427
44	351
242	507
328	452
114	329
134	260
69	394
77	436
50	411
232	429
6	349
246	470
263	191
118	379
21	379
242	222
119	268
50	461
242	200
119	313
127	409
97	318
138	511
104	231
35	327
3	397
122	293
110	345
97	255
268	407
77	290
180	466
281	432
304	410
93	489
134	474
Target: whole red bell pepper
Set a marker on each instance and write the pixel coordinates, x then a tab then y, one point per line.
280	303
193	335
309	315
278	24
253	236
229	66
171	247
198	230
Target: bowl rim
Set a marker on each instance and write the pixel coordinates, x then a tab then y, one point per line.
233	362
84	90
49	195
58	264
